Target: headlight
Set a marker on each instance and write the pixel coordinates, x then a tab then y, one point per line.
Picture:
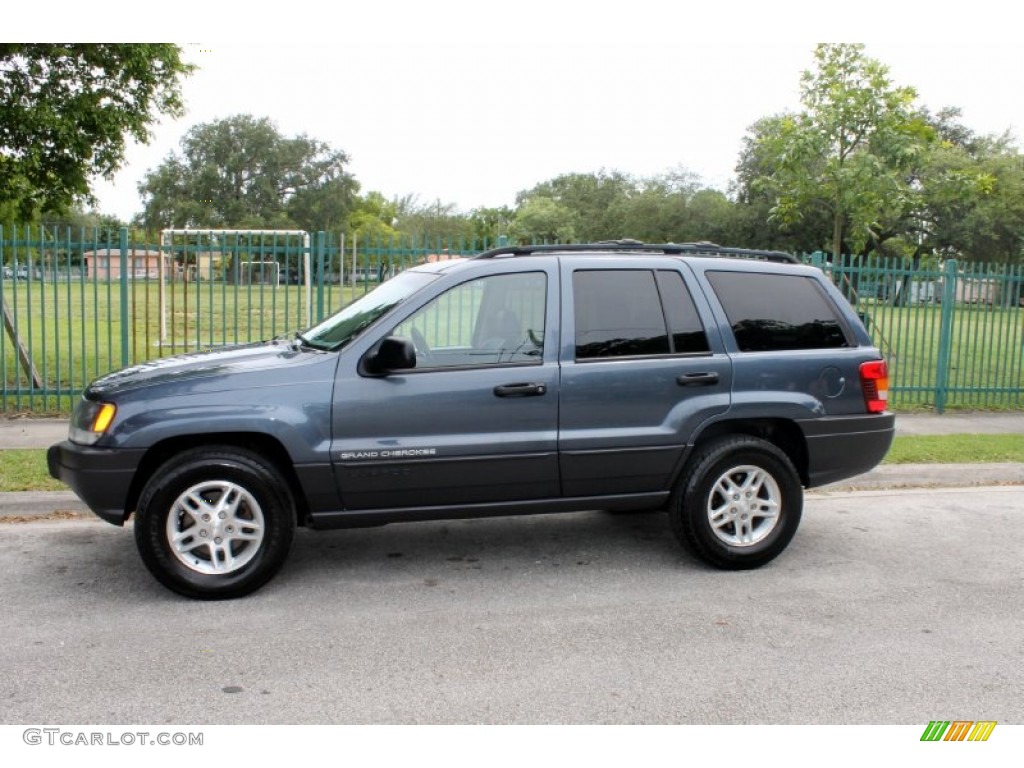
90	421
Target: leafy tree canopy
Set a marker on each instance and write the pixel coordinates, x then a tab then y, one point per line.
66	111
542	219
592	201
374	218
490	224
972	194
435	224
674	206
851	152
241	172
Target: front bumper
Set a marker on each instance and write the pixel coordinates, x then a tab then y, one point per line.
839	447
102	477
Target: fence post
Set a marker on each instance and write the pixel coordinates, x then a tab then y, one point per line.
123	245
321	245
945	334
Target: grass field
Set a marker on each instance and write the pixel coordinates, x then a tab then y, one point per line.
25	470
956	449
73	330
986	354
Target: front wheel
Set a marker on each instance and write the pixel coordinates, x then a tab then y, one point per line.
738	503
215	523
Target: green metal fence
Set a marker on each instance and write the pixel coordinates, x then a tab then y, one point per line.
78	304
952	335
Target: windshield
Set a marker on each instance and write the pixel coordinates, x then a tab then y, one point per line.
341	328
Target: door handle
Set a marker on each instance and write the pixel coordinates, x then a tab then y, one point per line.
520	390
697	379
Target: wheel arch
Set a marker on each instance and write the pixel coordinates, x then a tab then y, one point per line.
784	434
265	445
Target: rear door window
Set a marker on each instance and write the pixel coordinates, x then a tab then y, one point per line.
687	332
634	313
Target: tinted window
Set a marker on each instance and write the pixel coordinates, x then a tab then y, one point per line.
775	312
618	314
687	333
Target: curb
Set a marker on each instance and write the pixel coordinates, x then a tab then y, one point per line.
40	504
900	476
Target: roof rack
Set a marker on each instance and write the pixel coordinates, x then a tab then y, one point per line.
703	248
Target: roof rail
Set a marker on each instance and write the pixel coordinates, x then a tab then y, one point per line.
702	248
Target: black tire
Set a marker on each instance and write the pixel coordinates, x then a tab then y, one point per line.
744	534
232	513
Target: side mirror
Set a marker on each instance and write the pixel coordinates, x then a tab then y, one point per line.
393	353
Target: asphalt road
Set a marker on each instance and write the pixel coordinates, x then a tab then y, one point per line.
895	607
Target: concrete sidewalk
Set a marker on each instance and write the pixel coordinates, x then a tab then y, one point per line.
966	423
41	433
32	433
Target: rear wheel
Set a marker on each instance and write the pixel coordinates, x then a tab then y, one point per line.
215	523
738	503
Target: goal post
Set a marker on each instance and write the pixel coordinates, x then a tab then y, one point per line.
215	241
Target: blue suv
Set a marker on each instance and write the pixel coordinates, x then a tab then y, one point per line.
712	382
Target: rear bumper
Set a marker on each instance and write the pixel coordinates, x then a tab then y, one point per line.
102	477
839	447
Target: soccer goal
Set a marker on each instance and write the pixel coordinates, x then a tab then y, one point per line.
212	255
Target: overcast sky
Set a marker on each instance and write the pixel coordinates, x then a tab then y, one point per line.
471	102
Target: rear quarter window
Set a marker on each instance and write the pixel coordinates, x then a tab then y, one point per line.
772	312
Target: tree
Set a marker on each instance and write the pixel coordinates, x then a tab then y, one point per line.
489	224
755	194
973	200
850	152
673	206
711	217
92	227
543	220
374	218
66	111
676	206
594	200
655	209
241	172
433	224
969	196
